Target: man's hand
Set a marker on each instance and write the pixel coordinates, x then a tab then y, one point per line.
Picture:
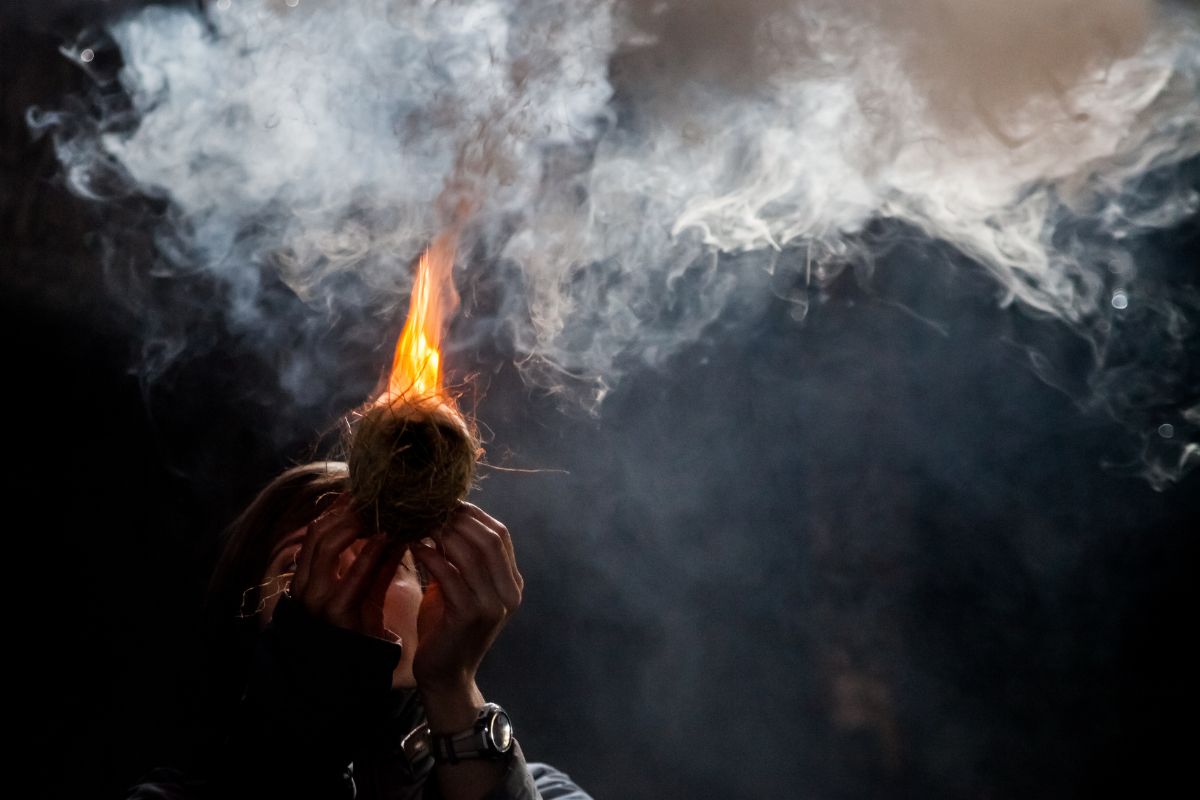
475	587
334	584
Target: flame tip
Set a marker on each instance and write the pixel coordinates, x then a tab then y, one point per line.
417	365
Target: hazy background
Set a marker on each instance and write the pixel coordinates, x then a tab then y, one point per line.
857	550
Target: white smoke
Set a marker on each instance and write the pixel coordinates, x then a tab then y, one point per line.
619	152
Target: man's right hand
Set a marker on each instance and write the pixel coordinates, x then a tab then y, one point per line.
338	585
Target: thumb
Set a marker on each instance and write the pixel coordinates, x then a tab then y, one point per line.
432	607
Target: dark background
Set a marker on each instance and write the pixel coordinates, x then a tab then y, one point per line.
870	555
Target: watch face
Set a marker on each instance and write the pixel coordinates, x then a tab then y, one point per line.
501	732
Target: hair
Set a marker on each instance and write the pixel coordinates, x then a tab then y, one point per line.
290	501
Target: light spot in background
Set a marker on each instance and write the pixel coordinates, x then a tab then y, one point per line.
223	5
1166	430
1120	301
87	55
292	3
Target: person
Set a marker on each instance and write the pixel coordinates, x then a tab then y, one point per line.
346	664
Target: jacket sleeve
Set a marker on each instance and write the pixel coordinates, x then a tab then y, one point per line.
552	784
524	781
165	783
314	693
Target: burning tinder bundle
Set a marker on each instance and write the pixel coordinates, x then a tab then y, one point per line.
410	464
412	453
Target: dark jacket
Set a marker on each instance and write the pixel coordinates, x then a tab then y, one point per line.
320	720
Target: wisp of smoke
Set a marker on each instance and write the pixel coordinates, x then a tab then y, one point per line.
639	166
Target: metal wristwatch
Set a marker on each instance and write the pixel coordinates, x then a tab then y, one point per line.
490	737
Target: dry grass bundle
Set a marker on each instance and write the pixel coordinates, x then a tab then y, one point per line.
411	462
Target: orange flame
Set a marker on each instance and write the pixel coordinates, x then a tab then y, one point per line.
417	365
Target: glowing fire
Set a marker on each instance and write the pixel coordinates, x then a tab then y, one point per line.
416	368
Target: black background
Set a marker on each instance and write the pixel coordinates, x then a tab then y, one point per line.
862	556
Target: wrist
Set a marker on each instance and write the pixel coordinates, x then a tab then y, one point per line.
451	708
489	738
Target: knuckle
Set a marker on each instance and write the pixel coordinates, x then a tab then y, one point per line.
481	615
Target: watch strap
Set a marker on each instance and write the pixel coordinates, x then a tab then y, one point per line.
451	748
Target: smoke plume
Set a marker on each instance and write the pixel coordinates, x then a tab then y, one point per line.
633	172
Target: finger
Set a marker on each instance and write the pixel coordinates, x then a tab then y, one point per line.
347	594
318	525
500	528
454	590
284	558
380	581
489	546
474	570
303	565
327	538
